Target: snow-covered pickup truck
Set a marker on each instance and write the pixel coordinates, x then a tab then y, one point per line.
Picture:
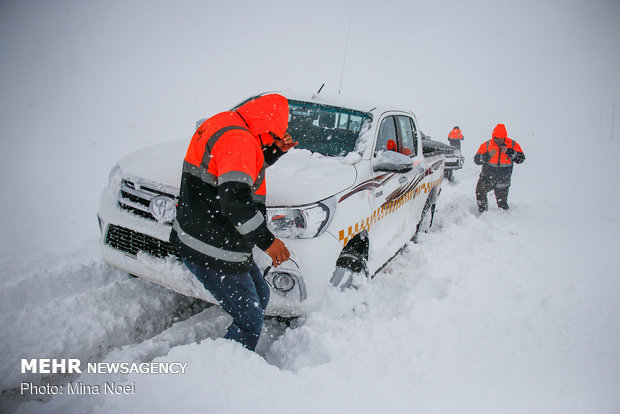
354	191
454	159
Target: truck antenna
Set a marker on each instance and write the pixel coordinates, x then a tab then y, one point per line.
346	47
613	118
314	95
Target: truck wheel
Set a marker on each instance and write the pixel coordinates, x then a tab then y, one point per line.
426	220
449	174
351	270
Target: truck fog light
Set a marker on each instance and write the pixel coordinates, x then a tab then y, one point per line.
283	281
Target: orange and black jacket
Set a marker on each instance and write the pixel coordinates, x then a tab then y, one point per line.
495	162
455	134
221	209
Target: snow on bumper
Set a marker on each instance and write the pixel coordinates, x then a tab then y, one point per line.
140	247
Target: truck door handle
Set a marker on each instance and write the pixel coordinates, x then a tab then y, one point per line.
402	179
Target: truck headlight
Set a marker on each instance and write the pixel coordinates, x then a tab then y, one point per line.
301	222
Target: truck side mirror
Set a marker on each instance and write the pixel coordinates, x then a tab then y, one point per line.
199	122
390	161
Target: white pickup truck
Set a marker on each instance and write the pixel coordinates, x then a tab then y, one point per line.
354	191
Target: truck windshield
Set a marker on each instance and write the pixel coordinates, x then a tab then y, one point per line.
328	130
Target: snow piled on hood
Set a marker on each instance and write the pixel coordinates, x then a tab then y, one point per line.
298	178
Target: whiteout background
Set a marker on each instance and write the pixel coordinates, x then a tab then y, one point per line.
512	312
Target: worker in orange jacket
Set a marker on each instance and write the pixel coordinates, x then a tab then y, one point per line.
221	210
497	157
455	137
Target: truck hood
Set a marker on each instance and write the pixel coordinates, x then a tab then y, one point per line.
160	163
297	178
301	177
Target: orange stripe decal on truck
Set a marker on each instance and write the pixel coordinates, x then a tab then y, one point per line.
378	214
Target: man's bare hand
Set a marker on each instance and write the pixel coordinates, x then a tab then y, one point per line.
286	143
278	252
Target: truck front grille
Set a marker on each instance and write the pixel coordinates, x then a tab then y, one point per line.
136	196
132	242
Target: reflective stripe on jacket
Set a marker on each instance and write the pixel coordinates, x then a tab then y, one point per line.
221	210
455	134
496	158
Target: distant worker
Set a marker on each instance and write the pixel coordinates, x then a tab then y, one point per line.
496	156
455	137
221	210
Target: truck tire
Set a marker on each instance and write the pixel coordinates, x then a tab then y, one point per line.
351	270
426	219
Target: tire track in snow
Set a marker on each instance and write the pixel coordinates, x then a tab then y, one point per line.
77	307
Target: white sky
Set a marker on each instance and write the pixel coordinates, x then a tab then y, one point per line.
84	82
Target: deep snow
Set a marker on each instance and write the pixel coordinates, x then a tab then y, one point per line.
508	312
512	312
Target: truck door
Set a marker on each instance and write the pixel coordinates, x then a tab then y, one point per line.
387	233
409	143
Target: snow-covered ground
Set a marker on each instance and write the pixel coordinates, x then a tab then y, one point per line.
512	312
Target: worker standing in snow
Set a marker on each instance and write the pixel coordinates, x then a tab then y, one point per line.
497	157
221	210
455	137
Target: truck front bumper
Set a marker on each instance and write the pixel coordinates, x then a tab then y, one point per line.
454	163
141	247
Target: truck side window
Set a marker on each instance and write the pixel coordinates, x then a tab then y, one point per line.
387	137
407	143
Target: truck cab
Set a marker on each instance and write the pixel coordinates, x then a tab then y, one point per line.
345	201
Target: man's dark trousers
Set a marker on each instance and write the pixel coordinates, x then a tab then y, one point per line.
244	296
496	179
